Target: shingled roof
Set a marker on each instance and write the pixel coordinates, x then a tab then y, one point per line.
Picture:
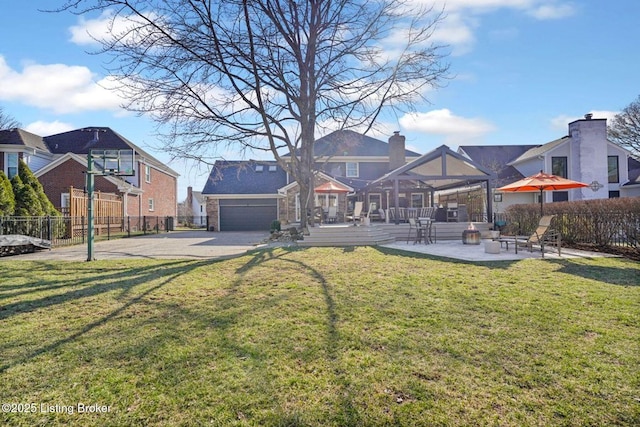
22	137
245	177
498	158
82	141
347	143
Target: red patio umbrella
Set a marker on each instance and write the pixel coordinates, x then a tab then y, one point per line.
542	182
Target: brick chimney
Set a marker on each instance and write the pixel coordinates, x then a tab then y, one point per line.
396	151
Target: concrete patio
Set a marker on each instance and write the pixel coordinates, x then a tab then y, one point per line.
457	250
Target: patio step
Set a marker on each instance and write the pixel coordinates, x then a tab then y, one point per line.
346	235
440	230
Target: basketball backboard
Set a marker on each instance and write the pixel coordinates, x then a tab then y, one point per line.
113	162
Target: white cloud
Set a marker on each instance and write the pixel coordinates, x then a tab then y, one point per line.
456	32
59	88
108	25
562	121
463	17
48	128
552	11
444	122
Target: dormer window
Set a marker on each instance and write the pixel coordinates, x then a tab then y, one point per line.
272	168
259	168
352	170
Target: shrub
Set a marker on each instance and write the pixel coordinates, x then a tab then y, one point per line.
602	222
275	226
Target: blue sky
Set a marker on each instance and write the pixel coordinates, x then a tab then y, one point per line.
522	70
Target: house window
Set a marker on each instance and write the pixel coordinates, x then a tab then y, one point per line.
417	200
259	168
614	171
12	165
614	194
273	168
560	196
352	170
147	173
559	166
151	205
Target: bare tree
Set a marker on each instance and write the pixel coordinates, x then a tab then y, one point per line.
7	122
268	75
624	129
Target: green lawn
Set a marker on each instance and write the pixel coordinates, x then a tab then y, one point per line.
321	337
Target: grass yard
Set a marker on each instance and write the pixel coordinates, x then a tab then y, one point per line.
320	337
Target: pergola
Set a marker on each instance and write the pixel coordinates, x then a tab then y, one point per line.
440	169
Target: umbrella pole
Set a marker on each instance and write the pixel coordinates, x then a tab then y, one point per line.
541	204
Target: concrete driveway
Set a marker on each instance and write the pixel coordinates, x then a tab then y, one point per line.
176	244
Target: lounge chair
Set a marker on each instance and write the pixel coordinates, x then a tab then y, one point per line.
357	213
543	236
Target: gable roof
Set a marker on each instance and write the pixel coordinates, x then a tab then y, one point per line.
348	143
22	137
119	182
540	150
82	141
197	196
498	158
245	177
439	169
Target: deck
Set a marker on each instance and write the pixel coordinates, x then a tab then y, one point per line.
382	233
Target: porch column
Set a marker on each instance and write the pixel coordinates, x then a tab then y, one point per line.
396	200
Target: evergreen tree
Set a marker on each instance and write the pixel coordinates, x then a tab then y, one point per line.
28	179
7	199
27	202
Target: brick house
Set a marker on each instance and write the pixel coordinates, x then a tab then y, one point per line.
60	162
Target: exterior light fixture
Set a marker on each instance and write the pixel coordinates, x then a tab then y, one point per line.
595	185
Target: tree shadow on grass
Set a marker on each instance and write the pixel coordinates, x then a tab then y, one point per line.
126	280
348	413
618	275
502	265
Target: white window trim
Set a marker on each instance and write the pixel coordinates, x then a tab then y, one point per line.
7	165
152	204
421	199
346	171
147	173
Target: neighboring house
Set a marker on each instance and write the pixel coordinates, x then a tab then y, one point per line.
249	195
60	162
583	155
196	207
18	144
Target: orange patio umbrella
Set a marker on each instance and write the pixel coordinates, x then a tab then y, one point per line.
331	187
542	182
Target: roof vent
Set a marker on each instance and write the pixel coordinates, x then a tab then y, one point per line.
588	116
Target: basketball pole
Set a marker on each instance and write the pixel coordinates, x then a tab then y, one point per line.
90	225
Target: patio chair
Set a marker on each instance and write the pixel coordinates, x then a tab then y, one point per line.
332	214
357	213
414	228
543	236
